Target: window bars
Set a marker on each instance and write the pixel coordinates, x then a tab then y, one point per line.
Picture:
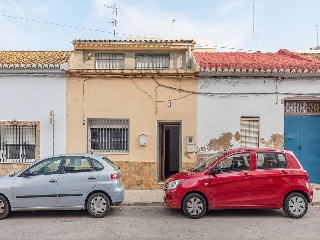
109	60
152	61
17	143
108	135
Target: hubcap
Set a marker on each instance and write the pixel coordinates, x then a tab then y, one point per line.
297	206
1	207
98	205
195	206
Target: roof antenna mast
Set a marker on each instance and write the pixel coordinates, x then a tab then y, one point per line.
115	20
173	22
253	35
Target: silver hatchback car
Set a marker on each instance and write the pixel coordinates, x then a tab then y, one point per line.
69	181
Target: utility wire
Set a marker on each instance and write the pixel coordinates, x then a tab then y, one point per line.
104	31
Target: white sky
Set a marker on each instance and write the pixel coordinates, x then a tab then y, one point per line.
227	24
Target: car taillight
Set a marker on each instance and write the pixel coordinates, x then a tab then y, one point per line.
115	175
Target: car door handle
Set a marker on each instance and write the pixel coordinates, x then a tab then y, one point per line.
246	175
52	181
92	178
284	172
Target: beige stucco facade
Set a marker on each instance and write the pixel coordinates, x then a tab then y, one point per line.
148	98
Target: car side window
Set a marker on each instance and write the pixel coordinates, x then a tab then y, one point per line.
46	167
236	162
268	160
74	164
97	165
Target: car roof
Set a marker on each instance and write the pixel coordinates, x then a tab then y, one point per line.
237	150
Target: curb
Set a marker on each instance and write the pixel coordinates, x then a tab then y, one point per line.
143	204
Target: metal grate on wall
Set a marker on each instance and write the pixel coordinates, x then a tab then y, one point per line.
17	143
108	135
109	60
249	132
302	107
152	61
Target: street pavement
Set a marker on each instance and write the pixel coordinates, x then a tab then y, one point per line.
155	197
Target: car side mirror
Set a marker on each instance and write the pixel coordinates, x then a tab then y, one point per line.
26	173
214	171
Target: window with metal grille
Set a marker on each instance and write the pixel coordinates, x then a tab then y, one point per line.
109	60
249	132
108	135
152	61
17	143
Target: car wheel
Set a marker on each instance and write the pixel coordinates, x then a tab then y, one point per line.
98	205
295	205
4	207
194	205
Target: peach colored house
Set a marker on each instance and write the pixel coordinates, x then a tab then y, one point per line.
135	102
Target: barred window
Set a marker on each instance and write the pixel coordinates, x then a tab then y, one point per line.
109	60
249	132
152	61
17	143
108	135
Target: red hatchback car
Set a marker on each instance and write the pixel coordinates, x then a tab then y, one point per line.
242	179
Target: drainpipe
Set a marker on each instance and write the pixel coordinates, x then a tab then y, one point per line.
189	56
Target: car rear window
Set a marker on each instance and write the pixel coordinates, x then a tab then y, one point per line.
111	163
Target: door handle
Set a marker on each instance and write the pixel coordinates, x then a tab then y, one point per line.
246	175
92	178
283	172
52	181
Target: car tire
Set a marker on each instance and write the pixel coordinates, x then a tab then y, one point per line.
98	205
194	205
4	207
295	205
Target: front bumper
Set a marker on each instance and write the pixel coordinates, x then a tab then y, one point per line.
172	199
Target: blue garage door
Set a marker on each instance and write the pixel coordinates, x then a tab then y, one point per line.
302	136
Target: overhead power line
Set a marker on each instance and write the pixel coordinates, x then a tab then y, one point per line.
102	31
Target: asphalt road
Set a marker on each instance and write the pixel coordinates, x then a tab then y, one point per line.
159	222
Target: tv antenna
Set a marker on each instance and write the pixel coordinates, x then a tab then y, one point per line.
173	22
115	20
317	28
253	34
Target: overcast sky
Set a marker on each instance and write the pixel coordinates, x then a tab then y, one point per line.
230	25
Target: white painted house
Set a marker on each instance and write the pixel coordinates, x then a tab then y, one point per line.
260	100
33	88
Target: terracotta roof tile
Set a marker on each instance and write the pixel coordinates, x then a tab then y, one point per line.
281	61
136	40
25	59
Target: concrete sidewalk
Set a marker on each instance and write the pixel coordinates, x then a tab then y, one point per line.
155	197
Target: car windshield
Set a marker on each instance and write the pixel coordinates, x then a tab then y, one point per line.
111	163
206	163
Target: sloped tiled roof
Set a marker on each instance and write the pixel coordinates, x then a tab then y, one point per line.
282	61
134	40
312	55
33	59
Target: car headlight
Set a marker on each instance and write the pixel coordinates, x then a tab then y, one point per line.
174	184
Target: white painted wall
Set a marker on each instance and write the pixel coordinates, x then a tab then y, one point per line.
30	98
219	113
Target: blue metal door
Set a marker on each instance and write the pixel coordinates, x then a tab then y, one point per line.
302	136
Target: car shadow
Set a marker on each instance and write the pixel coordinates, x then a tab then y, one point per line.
226	213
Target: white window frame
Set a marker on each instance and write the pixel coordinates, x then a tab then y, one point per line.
249	132
108	135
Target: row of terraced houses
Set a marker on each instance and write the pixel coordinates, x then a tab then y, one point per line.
156	107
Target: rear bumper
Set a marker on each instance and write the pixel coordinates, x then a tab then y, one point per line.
117	196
